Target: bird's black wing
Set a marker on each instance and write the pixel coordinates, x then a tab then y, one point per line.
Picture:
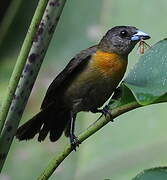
56	87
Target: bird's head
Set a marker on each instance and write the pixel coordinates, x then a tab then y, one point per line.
122	39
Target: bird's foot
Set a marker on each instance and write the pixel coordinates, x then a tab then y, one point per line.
105	111
74	142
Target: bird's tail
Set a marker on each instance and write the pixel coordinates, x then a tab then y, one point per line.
49	120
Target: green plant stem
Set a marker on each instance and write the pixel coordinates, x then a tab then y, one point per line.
8	18
35	57
21	60
90	131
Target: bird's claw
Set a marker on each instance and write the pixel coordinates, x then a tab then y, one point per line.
74	142
106	112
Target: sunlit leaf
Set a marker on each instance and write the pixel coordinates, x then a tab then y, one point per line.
148	79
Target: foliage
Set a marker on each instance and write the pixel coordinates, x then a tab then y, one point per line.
159	173
135	142
148	79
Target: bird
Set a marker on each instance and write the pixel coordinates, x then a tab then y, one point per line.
85	84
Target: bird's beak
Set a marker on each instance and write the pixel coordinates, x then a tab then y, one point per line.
140	35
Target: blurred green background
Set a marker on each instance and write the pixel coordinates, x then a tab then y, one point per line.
135	141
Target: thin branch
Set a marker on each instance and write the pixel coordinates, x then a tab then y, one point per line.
40	43
90	131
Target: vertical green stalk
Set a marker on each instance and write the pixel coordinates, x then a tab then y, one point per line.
35	57
21	60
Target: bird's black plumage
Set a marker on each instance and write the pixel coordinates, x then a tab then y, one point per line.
85	84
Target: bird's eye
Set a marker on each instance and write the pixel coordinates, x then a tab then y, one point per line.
123	33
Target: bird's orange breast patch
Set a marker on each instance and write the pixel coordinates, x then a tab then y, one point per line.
110	64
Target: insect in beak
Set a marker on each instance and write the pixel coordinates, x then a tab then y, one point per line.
142	46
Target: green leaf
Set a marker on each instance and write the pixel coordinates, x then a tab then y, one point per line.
158	173
148	79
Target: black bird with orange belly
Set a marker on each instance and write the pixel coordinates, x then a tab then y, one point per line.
85	84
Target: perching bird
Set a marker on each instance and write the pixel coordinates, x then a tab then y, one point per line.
85	84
